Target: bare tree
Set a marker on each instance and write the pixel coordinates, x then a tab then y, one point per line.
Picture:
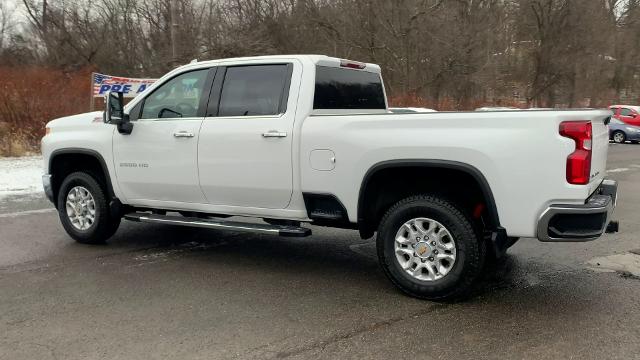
7	23
542	52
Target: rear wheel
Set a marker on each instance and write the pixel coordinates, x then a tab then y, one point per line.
619	137
428	248
84	210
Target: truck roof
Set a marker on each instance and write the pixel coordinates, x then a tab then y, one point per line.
634	107
322	60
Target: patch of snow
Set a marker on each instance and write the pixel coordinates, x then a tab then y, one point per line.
26	212
618	170
21	176
624	263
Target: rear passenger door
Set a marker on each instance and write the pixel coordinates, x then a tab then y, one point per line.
244	151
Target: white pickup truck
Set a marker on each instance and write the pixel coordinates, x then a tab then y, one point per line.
309	139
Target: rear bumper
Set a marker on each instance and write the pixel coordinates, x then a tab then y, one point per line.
585	222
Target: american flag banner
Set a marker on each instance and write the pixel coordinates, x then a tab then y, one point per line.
130	87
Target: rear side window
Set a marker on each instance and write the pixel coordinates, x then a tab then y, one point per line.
254	90
338	88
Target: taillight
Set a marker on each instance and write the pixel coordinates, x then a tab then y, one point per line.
352	64
579	161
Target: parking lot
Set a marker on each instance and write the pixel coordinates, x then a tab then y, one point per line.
158	292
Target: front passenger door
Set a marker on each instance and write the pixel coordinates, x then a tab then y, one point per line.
158	160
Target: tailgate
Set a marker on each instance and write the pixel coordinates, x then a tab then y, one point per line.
600	149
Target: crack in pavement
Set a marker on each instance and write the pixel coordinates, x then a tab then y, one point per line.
38	265
161	251
322	344
49	348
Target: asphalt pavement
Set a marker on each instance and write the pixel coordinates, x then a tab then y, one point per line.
162	292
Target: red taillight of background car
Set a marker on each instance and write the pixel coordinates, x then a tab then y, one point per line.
579	161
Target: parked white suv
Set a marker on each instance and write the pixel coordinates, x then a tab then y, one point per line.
308	139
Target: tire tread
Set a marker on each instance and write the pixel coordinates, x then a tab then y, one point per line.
475	254
106	225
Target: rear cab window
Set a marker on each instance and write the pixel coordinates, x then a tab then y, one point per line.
340	88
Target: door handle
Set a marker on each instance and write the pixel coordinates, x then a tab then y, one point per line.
183	134
274	133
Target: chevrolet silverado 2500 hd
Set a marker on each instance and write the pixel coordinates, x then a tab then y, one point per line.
309	139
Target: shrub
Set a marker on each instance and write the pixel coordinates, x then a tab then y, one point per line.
32	96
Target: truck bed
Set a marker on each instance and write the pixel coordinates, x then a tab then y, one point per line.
520	153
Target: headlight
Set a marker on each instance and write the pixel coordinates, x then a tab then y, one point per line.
47	130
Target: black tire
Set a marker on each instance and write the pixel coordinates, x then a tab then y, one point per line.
618	132
470	250
104	225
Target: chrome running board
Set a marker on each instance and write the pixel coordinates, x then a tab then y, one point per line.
280	230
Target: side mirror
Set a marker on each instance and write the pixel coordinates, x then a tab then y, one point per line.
114	112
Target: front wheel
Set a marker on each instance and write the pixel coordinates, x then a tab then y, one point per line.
84	211
428	248
619	137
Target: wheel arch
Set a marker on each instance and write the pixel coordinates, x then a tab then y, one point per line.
618	131
59	166
365	224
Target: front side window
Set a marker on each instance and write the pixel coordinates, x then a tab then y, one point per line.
177	98
253	90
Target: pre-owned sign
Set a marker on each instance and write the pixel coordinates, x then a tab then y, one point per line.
129	87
